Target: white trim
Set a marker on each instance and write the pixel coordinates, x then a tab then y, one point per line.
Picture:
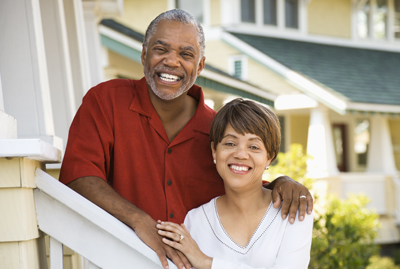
294	101
299	81
373	107
206	13
35	149
237	84
1	97
171	4
128	41
298	36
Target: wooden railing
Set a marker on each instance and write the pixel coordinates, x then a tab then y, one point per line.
71	220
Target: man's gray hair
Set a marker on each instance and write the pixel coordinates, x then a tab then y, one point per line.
179	16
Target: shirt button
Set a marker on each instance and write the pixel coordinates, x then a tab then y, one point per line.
171	215
169	182
169	151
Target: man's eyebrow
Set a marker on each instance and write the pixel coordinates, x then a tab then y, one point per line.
188	48
160	42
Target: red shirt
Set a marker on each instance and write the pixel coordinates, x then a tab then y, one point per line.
117	135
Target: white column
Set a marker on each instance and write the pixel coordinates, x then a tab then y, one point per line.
23	69
59	66
380	152
320	144
93	41
77	48
8	125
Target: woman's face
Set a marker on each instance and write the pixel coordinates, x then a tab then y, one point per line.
241	159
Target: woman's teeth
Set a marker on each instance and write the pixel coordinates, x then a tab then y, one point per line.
239	168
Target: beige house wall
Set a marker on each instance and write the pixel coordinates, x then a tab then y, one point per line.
330	18
299	129
394	125
138	13
122	66
215	12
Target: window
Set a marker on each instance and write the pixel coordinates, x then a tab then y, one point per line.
397	19
238	67
373	19
194	7
361	141
248	11
291	14
270	11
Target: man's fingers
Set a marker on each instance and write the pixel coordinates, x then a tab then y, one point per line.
184	260
173	254
310	204
276	197
163	258
302	207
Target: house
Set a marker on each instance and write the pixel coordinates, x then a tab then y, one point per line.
330	69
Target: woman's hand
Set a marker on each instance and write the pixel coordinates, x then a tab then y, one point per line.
178	237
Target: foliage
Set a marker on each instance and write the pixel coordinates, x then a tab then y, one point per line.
292	164
344	230
377	262
343	235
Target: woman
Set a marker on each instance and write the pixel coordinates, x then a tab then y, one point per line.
242	229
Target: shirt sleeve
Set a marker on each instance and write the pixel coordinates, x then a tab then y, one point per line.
294	252
90	141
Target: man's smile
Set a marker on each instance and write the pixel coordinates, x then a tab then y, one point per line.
168	77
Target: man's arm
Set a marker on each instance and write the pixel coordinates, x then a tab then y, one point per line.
289	191
100	193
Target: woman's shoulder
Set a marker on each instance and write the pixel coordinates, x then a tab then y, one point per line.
202	212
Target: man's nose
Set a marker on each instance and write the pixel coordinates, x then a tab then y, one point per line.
172	59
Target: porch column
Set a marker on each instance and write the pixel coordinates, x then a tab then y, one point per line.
90	13
320	145
380	153
8	124
59	66
77	48
23	68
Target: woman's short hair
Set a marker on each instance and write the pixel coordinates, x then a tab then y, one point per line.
247	116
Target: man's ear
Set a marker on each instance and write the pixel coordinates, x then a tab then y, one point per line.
201	65
143	56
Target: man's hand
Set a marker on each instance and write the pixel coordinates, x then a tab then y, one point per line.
294	196
100	193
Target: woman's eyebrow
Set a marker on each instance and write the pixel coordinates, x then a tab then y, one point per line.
229	135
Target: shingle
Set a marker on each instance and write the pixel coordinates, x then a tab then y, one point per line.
362	75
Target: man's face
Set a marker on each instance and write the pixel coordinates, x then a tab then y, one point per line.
172	60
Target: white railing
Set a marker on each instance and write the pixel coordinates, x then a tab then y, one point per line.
71	220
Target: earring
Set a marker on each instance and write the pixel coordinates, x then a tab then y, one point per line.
215	161
267	167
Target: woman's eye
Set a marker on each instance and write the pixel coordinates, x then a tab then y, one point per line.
230	144
254	147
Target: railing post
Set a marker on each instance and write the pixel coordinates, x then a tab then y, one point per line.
56	254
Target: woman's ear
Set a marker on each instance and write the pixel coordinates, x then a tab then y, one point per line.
214	154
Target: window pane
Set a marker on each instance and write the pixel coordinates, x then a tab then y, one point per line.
270	12
380	18
361	141
248	10
363	21
291	13
238	69
194	7
397	19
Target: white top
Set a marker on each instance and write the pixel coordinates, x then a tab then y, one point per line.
275	244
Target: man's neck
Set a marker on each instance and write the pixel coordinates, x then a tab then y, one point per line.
174	114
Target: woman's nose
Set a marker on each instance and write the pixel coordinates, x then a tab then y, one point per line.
241	153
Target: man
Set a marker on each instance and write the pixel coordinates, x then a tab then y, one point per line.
140	149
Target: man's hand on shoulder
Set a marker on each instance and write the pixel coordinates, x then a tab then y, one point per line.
293	196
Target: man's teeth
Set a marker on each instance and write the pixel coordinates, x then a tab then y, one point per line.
239	168
168	77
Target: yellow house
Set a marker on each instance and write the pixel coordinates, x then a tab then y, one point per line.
328	67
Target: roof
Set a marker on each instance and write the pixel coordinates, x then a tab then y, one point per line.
361	75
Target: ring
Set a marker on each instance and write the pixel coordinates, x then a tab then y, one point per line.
303	196
181	237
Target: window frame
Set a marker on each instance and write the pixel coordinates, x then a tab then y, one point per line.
244	66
